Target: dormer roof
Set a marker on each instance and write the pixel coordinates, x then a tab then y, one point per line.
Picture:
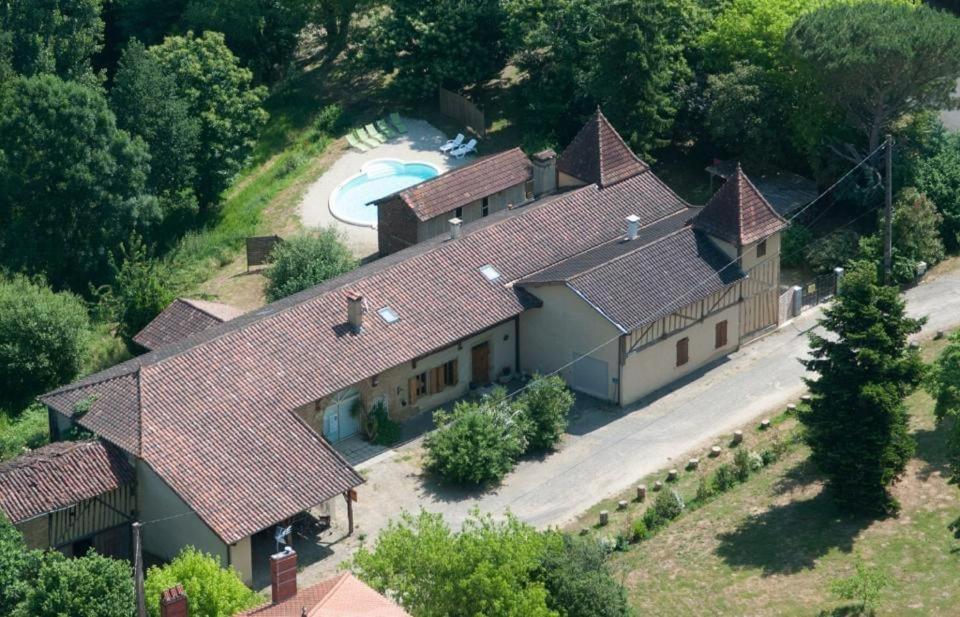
598	155
738	213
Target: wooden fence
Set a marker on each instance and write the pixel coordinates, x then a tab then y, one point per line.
463	111
259	249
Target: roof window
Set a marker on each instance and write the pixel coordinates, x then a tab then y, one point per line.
388	314
489	272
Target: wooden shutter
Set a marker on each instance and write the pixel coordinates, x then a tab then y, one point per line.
720	334
436	379
412	389
683	351
456	372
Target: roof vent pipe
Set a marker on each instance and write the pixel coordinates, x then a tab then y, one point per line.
355	311
456	228
633	226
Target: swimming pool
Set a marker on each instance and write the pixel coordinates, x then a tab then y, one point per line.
351	201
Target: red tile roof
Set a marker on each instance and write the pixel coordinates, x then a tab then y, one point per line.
182	318
598	155
215	410
59	475
738	213
466	184
343	595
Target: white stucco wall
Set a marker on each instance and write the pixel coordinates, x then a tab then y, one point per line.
566	325
166	538
241	558
654	366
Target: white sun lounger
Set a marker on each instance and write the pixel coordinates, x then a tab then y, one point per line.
452	143
462	151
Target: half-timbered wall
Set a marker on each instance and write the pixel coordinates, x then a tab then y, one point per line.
684	317
91	516
761	289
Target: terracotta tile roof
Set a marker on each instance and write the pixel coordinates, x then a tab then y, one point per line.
598	155
182	318
738	213
466	184
653	281
343	595
59	475
239	381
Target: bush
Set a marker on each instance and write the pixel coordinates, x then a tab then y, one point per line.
724	478
83	586
831	251
668	505
705	491
27	431
546	403
385	430
741	463
793	250
43	336
638	530
476	443
212	590
13	562
579	582
305	261
331	120
916	227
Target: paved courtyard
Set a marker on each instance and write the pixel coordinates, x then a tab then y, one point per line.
421	142
608	448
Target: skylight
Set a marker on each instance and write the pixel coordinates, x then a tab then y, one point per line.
489	272
388	314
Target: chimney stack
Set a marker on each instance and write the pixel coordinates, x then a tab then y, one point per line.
633	226
456	228
544	172
283	575
173	602
355	311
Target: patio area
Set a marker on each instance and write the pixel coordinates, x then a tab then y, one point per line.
421	143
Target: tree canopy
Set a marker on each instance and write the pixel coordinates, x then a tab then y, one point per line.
53	36
210	588
857	423
87	586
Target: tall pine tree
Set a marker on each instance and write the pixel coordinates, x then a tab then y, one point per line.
857	423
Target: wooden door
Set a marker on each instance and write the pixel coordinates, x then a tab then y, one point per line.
480	357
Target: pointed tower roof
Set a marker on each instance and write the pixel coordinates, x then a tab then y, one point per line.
739	213
598	155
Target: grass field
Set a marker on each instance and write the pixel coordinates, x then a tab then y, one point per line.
772	545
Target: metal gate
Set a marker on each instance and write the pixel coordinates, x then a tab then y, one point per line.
819	290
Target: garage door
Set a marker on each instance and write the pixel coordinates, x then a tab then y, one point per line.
338	420
589	375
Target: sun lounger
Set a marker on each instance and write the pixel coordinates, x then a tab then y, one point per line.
373	132
462	151
354	142
384	127
397	122
370	141
452	144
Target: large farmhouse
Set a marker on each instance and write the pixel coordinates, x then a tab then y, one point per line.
614	281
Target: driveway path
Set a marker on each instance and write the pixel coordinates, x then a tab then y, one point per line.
609	448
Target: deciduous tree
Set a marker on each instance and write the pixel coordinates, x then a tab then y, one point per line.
304	261
210	588
857	423
87	586
944	385
53	36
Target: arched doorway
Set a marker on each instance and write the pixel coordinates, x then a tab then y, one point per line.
339	421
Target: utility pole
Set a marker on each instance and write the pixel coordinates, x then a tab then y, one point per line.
138	570
888	213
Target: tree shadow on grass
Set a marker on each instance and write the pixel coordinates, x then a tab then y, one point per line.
800	475
789	538
848	610
934	450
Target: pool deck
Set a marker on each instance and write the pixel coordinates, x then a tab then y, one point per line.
420	143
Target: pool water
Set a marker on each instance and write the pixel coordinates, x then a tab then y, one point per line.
351	201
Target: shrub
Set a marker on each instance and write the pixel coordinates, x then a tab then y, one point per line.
638	530
705	491
27	431
575	573
833	250
331	120
43	336
82	586
916	227
13	562
795	240
652	520
741	463
212	590
476	443
546	403
724	478
668	505
768	456
304	261
864	586
385	430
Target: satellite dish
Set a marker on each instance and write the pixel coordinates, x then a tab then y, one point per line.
281	533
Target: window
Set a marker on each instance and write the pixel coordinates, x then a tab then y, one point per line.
435	380
458	212
421	388
528	189
761	249
489	272
720	334
450	376
485	206
683	351
388	314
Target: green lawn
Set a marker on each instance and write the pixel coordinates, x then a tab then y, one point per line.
772	545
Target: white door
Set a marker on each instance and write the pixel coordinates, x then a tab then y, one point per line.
339	422
589	375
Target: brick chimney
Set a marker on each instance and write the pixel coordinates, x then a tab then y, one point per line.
633	226
456	228
355	311
173	602
544	172
283	575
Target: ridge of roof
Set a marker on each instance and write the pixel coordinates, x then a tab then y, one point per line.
207	306
739	213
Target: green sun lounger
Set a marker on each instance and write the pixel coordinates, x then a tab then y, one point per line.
397	122
362	136
354	142
373	132
384	127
